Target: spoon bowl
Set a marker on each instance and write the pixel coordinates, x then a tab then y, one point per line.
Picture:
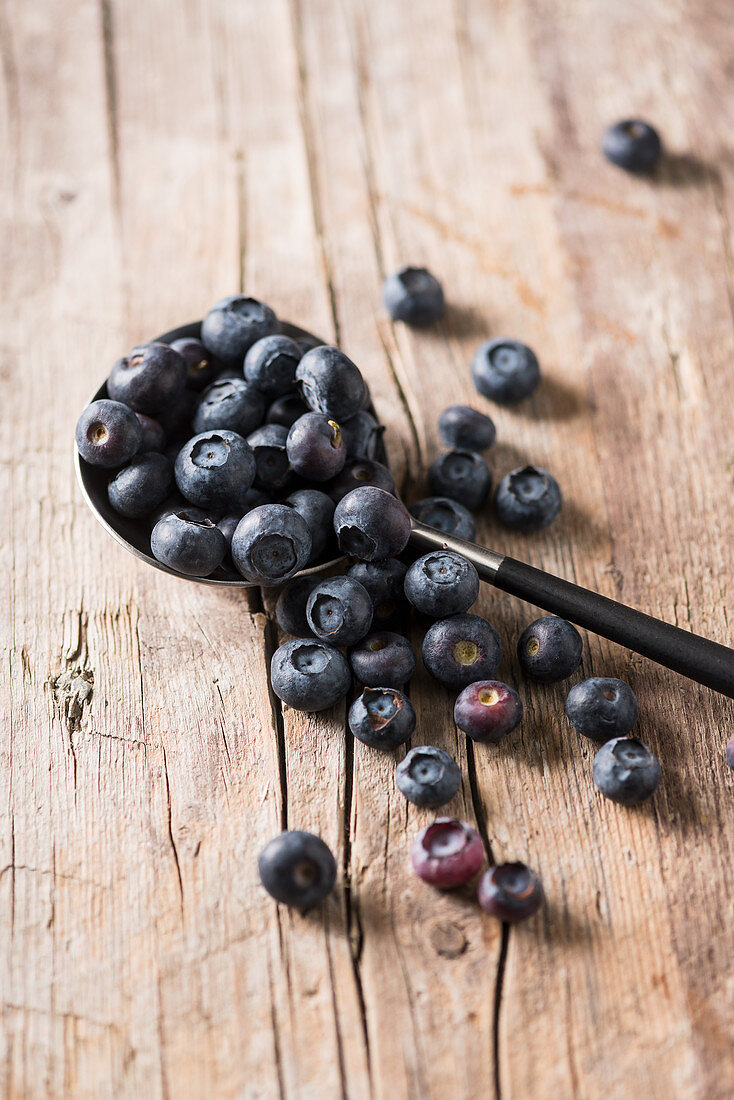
133	534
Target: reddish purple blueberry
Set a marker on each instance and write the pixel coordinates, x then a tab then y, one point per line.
447	853
488	710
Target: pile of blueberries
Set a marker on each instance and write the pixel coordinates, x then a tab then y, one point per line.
248	451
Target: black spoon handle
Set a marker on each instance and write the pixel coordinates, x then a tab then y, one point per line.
698	658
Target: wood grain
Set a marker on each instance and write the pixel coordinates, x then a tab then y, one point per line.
159	155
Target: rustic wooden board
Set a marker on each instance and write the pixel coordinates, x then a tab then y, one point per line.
159	155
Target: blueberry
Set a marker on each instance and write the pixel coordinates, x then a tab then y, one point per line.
528	499
505	371
363	471
154	438
382	717
318	511
108	433
176	417
729	752
201	366
286	410
309	675
215	470
447	853
140	486
268	443
462	476
384	582
488	711
362	436
441	583
413	295
271	543
510	892
602	708
228	525
297	869
383	660
626	771
315	447
550	649
461	649
466	428
290	608
330	383
339	611
633	145
428	777
229	403
445	515
371	524
189	545
270	365
234	324
148	379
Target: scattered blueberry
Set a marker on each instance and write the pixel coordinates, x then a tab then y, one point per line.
318	511
447	853
215	470
271	543
330	383
602	708
633	145
466	428
363	436
729	752
384	582
445	515
108	433
187	544
290	608
270	365
371	524
339	611
148	379
461	649
510	891
272	468
382	717
229	403
505	371
462	476
550	649
315	447
154	438
428	777
488	711
528	499
383	659
234	324
309	675
441	583
141	486
413	295
285	410
297	869
201	367
361	472
626	771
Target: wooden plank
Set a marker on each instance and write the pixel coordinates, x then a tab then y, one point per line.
158	156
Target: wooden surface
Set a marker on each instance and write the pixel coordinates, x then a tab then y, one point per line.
159	154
